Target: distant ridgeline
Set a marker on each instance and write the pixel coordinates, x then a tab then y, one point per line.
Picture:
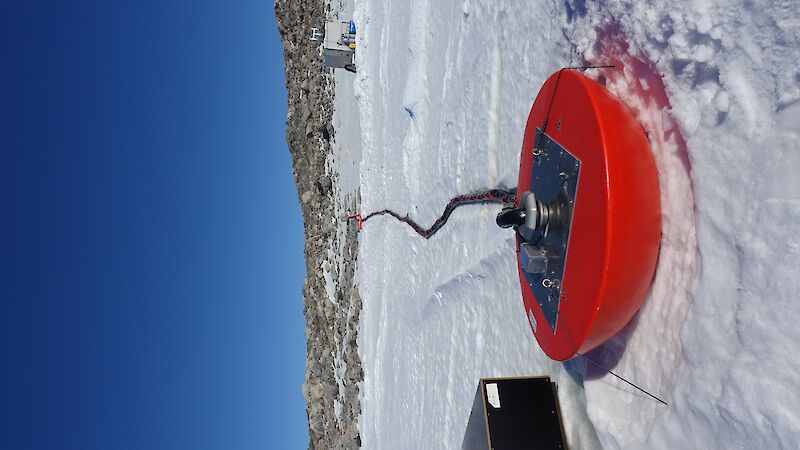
333	367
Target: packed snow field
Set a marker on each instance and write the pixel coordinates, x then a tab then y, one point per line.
438	108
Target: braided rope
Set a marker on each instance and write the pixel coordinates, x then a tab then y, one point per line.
492	196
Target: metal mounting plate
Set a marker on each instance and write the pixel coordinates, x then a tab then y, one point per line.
554	181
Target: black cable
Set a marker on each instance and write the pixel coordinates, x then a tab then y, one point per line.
491	196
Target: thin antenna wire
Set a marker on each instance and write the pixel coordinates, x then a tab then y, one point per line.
586	358
555	88
619	377
603	66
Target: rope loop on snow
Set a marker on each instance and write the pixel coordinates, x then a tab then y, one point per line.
491	196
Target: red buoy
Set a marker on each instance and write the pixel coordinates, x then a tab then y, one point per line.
588	250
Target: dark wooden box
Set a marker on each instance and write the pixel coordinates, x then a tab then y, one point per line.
514	414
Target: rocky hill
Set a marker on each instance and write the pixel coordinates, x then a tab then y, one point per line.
331	301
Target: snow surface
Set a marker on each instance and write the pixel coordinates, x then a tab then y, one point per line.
438	108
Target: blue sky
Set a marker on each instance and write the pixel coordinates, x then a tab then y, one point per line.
153	242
